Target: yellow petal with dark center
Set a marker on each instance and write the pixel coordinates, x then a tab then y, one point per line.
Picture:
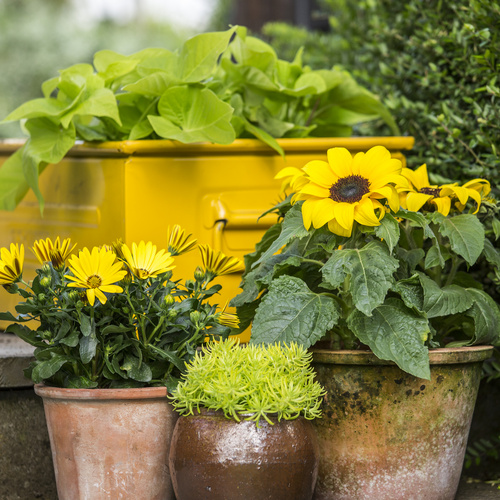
415	201
340	160
321	173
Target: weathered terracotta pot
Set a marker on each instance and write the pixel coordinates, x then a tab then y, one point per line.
110	443
388	435
212	457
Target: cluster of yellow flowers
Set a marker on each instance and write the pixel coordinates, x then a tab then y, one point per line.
98	271
359	188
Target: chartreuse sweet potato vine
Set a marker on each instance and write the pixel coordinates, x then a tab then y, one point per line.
367	254
216	87
252	382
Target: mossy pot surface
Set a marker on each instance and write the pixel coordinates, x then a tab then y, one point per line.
213	457
387	434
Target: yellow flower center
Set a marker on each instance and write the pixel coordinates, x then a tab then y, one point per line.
349	189
432	191
94	281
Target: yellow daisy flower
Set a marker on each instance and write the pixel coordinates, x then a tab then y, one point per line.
420	192
228	319
218	264
293	178
145	262
178	242
11	264
55	252
347	189
97	272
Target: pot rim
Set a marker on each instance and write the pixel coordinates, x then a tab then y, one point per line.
441	356
49	392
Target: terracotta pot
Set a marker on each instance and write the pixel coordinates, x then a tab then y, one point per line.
212	457
110	443
388	435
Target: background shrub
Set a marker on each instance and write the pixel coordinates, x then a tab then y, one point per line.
435	64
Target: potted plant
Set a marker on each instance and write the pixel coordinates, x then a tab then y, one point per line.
204	127
369	265
244	429
113	331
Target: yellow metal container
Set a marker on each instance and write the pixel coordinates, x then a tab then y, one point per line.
135	189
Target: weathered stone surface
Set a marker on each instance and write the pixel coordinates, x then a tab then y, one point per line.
15	356
26	470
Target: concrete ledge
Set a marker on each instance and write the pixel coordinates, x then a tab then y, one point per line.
15	356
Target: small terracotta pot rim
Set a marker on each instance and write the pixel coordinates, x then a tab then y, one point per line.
446	355
46	391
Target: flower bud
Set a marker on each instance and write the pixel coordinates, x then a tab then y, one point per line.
199	274
195	317
46	268
46	281
169	300
172	314
41	297
11	288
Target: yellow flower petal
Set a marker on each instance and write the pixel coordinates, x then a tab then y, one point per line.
415	201
321	173
340	160
365	213
344	215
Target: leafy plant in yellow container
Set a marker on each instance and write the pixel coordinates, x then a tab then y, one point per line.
217	87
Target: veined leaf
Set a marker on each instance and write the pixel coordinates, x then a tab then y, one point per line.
291	312
189	114
88	348
486	316
291	227
466	235
444	301
37	108
388	231
136	369
370	270
198	56
395	333
46	369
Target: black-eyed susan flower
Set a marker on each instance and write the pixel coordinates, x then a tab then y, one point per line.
420	192
346	189
96	272
11	264
178	241
145	262
218	264
55	252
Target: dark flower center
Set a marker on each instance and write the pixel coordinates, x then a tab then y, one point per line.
432	191
349	189
94	281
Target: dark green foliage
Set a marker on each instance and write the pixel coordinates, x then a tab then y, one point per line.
434	64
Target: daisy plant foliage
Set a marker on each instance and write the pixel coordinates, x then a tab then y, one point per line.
114	316
215	88
251	382
366	254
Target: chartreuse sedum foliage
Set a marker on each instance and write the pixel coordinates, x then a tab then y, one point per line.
351	262
113	316
250	382
217	87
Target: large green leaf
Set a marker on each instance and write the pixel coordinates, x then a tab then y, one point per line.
46	369
190	114
445	301
291	227
290	312
395	333
136	369
369	270
88	348
199	55
486	316
13	184
388	231
466	235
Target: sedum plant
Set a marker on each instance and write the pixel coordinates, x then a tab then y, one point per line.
369	255
250	382
217	87
114	316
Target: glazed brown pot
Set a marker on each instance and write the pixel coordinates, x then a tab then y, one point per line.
110	443
213	457
388	435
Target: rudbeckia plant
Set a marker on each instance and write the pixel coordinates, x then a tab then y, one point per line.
114	316
366	254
